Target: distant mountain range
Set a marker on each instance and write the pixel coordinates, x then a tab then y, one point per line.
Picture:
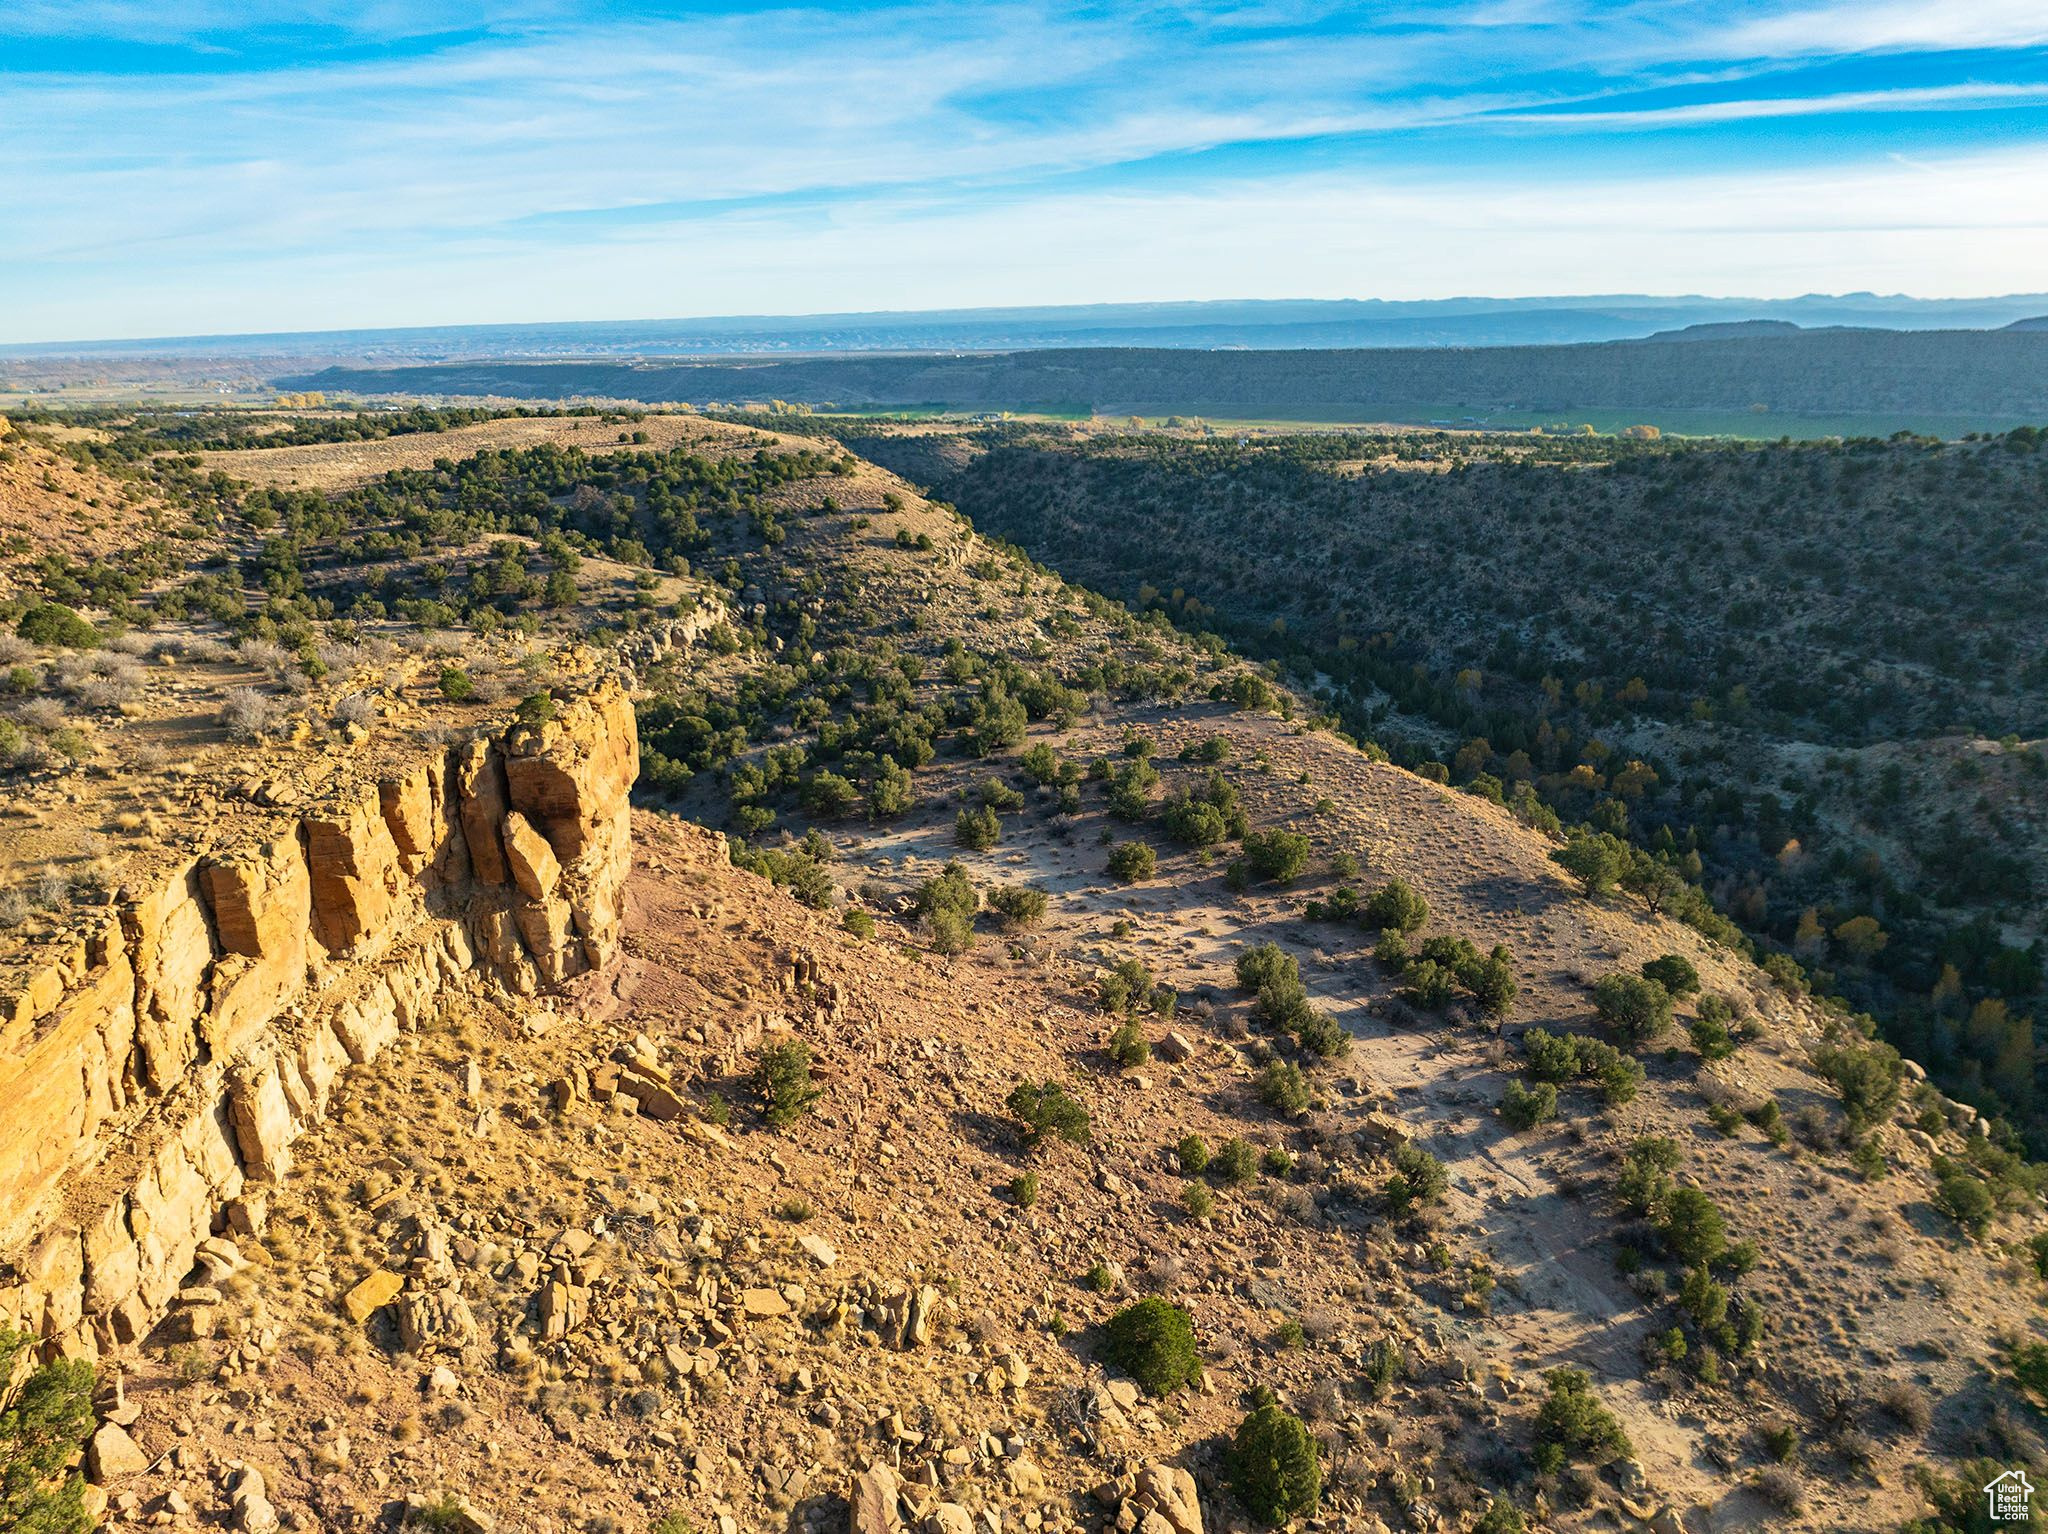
1980	377
1282	324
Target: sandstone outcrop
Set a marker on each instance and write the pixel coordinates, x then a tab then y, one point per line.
160	1067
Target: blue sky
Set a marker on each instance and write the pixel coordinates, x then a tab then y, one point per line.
232	165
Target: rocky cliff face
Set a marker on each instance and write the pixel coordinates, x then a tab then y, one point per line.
154	1077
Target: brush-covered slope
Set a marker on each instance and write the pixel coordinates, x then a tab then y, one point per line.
1517	1237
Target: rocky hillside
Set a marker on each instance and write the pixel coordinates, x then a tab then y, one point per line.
1011	1066
159	1063
1816	671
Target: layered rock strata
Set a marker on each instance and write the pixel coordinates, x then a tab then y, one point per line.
154	1075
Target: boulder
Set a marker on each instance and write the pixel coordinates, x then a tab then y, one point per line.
655	1100
379	1289
875	1501
762	1303
1166	1493
112	1454
818	1249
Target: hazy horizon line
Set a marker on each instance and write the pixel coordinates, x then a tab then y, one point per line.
969	313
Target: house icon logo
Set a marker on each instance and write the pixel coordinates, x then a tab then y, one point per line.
2010	1498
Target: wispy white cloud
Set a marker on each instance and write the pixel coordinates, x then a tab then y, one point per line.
1749	109
1885	26
524	153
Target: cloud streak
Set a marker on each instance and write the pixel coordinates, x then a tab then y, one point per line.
366	165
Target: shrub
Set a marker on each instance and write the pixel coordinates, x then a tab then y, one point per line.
1396	906
1429	985
858	922
798	869
1048	1112
827	795
1041	764
247	714
1868	1080
783	1078
1906	1405
1419	1179
1781	1489
1780	1441
890	790
536	708
1343	905
1501	1517
1129	987
977	829
1551	1056
1320	1034
1200	1202
1526	1107
1204	816
999	796
1491	981
1019	905
443	1515
456	685
1024	1189
1704	1300
1272	1464
41	1433
1283	1001
1132	861
1128	1047
1573	1425
1709	1029
1154	1343
1617	1076
53	623
951	932
1965	1199
1278	856
1130	790
1235	1160
2029	1364
1691	1227
948	890
1100	1278
1594	858
1633	1009
1675	972
1284	1089
1268	961
1193	1155
1644	1181
1385	1365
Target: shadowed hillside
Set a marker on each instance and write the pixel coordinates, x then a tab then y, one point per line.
1999	376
